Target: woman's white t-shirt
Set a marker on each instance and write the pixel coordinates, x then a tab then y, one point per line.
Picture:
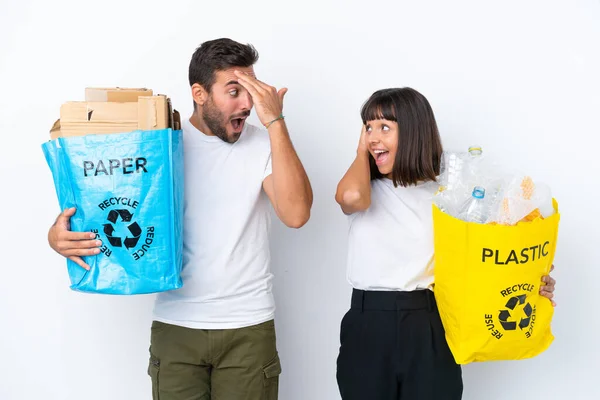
390	245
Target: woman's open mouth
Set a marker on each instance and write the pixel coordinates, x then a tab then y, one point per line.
381	156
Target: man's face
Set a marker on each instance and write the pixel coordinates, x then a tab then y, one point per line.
228	105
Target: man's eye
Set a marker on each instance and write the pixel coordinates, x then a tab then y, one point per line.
233	92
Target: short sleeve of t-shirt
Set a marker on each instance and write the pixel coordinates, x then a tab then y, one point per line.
268	168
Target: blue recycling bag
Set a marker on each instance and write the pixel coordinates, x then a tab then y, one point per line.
128	189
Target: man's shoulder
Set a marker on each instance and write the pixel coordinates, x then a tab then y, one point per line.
257	130
256	135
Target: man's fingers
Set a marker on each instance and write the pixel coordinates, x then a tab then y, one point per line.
65	216
68	213
68	236
85	244
248	82
281	94
250	88
80	252
66	247
79	261
260	87
252	80
265	86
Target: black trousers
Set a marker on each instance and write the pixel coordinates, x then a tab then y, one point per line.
393	348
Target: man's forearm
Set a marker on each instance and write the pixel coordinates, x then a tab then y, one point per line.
293	192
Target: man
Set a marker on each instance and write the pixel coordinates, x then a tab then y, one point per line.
215	337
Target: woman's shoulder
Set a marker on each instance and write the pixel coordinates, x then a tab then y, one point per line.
421	188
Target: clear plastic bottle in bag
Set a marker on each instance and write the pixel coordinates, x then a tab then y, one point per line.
451	169
452	186
475	209
473	174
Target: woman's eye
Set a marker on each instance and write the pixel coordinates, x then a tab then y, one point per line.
385	128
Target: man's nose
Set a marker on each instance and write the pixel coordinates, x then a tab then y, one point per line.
246	101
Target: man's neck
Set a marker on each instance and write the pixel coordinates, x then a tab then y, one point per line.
197	121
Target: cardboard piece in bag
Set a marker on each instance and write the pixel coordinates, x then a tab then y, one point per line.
116	94
79	118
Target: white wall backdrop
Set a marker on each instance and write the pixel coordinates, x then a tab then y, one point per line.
518	77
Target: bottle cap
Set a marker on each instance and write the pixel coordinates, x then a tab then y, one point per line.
478	192
475	150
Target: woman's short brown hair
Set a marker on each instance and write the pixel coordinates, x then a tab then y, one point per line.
419	145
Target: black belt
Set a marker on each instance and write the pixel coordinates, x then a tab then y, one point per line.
393	301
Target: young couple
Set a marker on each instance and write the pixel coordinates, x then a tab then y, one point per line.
215	337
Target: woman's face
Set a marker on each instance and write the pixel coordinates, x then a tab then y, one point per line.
382	141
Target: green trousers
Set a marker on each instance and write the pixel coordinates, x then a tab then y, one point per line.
226	364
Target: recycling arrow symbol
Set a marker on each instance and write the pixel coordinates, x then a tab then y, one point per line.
505	316
134	229
114	214
525	321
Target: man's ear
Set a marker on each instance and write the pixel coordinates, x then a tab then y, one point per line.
199	95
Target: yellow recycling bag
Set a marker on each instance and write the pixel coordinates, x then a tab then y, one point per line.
487	282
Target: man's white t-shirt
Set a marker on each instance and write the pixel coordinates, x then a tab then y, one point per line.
226	261
390	245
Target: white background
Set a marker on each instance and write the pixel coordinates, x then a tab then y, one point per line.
519	78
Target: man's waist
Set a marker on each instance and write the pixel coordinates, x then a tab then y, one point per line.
223	313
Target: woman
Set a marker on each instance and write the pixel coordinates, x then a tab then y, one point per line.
392	340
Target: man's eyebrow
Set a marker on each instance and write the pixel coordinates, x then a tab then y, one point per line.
232	83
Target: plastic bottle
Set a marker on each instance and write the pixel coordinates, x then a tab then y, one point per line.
473	175
451	194
451	169
475	208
